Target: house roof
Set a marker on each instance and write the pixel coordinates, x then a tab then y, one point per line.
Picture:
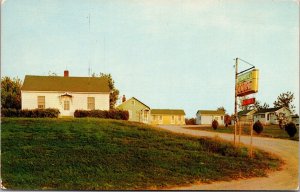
211	112
267	110
167	111
136	100
65	84
245	112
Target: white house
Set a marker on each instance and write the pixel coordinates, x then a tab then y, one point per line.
65	93
205	117
267	116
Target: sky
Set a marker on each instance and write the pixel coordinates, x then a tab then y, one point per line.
170	54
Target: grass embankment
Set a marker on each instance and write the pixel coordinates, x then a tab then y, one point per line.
96	154
269	131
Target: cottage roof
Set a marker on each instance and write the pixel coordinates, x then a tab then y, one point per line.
136	100
65	84
267	110
245	112
211	112
167	112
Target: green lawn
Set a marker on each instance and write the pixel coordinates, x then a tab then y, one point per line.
98	154
269	131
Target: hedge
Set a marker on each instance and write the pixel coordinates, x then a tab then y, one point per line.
34	113
111	114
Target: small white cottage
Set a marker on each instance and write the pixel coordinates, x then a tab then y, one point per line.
206	117
65	93
268	116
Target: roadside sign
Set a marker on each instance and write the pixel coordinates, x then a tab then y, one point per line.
247	83
248	101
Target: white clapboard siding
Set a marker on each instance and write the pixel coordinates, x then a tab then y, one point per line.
52	100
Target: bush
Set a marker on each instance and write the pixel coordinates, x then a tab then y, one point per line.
258	127
10	112
191	121
215	124
111	114
291	129
34	113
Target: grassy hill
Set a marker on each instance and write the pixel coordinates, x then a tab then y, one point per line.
98	154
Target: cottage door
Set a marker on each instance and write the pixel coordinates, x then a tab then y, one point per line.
66	106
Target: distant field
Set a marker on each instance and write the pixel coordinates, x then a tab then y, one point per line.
269	131
98	154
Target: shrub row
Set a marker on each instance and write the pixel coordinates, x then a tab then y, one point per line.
49	112
111	114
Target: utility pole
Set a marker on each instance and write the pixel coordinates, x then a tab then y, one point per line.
235	99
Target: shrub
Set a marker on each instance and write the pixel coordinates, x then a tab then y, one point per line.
41	113
111	114
215	124
10	112
258	127
191	121
291	129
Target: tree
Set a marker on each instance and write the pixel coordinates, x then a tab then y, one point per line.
114	92
11	92
285	100
221	109
227	120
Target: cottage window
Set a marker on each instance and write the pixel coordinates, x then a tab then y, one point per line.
179	118
41	102
262	116
91	103
66	105
153	117
222	118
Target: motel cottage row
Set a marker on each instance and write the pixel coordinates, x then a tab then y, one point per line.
68	94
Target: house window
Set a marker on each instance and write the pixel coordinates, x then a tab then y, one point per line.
262	116
91	103
133	102
268	117
66	105
160	118
153	117
222	118
145	115
179	118
41	102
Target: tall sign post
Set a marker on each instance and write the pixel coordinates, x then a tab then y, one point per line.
235	99
246	82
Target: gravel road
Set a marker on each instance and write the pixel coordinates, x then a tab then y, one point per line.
286	179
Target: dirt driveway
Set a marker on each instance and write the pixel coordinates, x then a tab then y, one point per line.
286	179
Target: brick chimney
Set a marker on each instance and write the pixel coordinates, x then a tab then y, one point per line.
66	73
123	99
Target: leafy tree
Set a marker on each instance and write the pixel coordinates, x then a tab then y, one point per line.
114	93
221	109
285	100
11	92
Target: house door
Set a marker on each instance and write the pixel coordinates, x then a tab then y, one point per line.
66	107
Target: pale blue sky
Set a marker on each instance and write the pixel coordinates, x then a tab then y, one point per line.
168	54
